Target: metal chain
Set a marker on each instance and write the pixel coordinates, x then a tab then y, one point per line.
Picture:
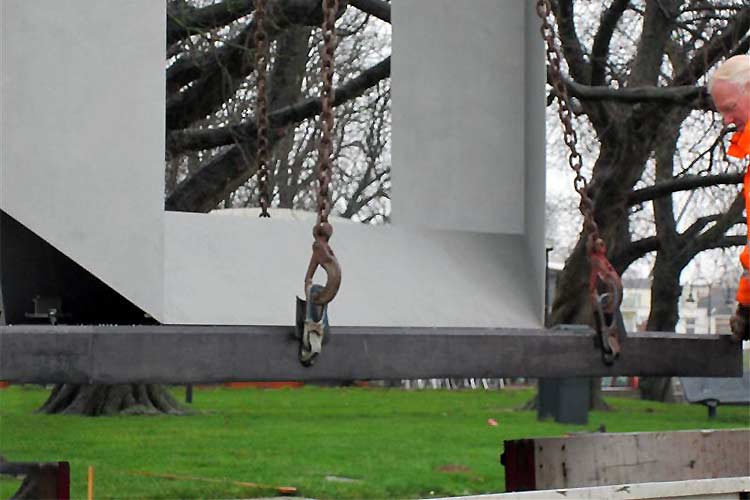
330	7
581	185
322	255
261	108
605	285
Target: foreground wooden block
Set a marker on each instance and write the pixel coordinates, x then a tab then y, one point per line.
732	488
600	459
49	480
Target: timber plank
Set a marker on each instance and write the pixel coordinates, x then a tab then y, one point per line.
212	354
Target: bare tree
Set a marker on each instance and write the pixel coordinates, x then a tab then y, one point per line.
637	75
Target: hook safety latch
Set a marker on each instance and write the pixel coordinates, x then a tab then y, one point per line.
610	329
605	289
312	327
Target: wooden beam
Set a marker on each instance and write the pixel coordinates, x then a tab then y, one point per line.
206	354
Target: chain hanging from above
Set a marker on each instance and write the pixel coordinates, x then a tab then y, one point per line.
261	108
605	285
312	313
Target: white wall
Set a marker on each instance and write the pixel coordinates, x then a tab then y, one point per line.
458	103
82	166
82	134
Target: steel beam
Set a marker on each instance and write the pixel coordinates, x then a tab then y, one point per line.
206	354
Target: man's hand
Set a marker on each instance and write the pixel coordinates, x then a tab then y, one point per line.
740	323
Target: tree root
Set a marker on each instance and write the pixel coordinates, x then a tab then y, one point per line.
101	400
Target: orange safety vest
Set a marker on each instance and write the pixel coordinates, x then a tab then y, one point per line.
740	148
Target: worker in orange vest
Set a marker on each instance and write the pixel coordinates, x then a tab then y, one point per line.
730	89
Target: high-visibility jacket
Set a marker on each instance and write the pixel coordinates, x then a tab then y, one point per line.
740	148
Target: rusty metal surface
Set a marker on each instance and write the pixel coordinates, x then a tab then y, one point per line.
205	354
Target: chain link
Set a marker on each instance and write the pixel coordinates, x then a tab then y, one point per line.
322	255
261	111
580	183
330	8
605	285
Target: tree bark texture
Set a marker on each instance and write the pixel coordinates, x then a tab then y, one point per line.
102	400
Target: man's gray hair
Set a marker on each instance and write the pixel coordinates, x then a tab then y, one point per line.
735	69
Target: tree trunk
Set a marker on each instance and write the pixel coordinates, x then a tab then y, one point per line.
101	400
285	90
657	389
668	266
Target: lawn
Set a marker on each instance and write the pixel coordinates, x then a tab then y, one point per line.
328	443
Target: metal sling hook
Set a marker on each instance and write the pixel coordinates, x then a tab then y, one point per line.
605	289
323	256
610	328
312	327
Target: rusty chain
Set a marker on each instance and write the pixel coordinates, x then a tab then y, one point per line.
605	285
323	255
326	116
261	109
544	10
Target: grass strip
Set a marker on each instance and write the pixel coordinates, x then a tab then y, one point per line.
390	443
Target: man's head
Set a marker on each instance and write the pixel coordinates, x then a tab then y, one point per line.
730	89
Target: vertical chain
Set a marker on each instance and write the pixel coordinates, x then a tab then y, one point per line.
322	255
575	160
330	8
261	108
605	285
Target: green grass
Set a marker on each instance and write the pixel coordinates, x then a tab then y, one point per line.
396	444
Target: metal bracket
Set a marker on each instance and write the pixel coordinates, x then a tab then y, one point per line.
610	328
311	327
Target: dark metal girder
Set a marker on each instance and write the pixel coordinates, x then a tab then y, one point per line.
206	354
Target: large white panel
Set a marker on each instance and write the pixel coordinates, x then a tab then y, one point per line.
82	151
82	137
245	270
535	142
458	86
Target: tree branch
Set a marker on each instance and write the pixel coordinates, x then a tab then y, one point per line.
718	47
727	242
217	178
732	216
376	8
184	140
688	95
228	67
634	251
184	20
600	48
686	183
657	26
571	45
229	170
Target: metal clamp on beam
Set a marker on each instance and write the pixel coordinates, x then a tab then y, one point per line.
312	327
